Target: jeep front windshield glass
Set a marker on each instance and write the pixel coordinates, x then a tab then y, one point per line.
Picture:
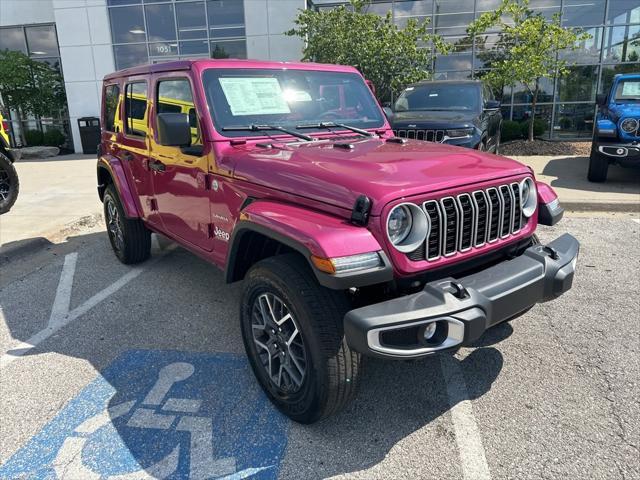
628	91
287	99
439	96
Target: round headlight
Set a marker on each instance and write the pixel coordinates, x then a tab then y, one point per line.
407	227
528	197
629	125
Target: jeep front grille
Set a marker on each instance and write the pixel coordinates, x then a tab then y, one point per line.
470	220
428	135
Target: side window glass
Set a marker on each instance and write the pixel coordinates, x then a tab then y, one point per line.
175	96
135	109
111	95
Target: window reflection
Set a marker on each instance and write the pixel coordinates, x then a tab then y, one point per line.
130	55
226	18
192	21
623	11
127	25
160	22
622	44
582	12
579	84
574	120
229	49
42	41
12	38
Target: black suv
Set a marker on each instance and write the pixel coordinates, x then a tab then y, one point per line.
462	113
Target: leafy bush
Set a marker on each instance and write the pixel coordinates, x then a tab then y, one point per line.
510	131
34	138
53	137
539	127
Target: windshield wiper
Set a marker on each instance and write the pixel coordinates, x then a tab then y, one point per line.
264	128
336	125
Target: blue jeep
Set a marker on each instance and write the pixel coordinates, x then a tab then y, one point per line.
616	137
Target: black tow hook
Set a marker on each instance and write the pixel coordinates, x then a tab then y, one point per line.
457	290
552	252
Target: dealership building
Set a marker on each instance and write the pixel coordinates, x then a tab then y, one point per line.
86	39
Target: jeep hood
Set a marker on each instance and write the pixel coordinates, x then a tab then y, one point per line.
625	110
384	171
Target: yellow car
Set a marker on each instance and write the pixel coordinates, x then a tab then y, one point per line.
9	184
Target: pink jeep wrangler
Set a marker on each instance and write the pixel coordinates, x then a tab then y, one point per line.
350	242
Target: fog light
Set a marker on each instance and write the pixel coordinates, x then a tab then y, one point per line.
430	330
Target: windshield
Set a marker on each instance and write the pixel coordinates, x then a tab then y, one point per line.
628	90
439	97
288	98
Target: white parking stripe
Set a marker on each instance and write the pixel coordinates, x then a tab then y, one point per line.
63	295
472	459
637	220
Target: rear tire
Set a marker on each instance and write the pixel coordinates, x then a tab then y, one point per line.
9	184
330	369
598	166
130	239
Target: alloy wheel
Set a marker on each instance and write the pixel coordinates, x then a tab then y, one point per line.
114	224
279	343
5	185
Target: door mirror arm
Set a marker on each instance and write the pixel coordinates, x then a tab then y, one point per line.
194	150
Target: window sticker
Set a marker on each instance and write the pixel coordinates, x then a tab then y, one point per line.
631	89
254	96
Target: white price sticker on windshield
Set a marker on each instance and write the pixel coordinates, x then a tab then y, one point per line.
254	96
631	89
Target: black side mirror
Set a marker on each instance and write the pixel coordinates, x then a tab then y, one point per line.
491	105
601	99
174	129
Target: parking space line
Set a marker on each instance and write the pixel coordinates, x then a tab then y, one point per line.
472	458
637	220
57	322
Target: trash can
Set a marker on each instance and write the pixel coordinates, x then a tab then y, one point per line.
89	133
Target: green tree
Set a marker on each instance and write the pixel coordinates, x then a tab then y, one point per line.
528	48
389	56
29	87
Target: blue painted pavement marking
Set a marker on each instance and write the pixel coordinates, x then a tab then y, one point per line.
160	414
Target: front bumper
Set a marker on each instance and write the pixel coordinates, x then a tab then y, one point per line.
620	151
463	308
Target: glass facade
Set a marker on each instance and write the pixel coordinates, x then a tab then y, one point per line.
40	42
149	31
566	104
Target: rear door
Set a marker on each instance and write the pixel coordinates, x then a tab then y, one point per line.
133	150
180	174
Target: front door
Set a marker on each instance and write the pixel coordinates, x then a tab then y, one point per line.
180	174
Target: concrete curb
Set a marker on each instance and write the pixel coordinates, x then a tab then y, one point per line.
601	206
20	248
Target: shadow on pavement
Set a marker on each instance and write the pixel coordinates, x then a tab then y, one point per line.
571	173
163	318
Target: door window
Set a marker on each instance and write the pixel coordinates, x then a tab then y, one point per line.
174	96
111	95
135	109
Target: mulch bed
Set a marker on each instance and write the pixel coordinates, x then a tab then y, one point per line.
541	147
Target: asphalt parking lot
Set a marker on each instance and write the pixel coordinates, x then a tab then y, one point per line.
109	371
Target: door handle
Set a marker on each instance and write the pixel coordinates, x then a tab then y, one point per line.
127	156
156	166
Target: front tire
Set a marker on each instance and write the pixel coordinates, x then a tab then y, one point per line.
598	166
9	184
283	305
130	239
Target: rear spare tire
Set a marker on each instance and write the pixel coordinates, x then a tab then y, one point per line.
293	335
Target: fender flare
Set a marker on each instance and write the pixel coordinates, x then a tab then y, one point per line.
6	150
309	232
115	170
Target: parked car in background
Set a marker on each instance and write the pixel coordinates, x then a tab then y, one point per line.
462	113
350	242
616	136
9	184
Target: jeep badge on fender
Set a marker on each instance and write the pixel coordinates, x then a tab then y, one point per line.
349	242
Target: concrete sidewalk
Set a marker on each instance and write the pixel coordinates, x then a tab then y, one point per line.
54	194
568	177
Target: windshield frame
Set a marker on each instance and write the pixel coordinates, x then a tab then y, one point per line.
426	85
219	123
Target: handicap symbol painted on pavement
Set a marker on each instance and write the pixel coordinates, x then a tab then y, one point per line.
164	415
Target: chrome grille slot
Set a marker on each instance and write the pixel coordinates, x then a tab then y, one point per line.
483	216
470	220
495	223
467	222
451	224
433	240
517	220
428	135
507	213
